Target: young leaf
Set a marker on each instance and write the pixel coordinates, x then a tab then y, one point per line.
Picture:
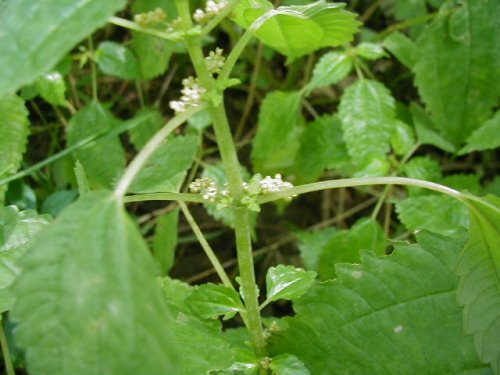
86	298
17	230
479	269
370	51
167	167
367	112
165	240
330	69
13	136
403	138
394	315
277	140
52	88
484	138
211	300
403	48
459	40
104	160
287	282
117	60
36	34
287	364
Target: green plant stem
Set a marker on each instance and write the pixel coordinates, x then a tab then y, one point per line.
381	201
5	351
174	36
135	166
351	182
206	247
181	197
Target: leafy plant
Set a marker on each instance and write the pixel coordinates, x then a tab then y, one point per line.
279	102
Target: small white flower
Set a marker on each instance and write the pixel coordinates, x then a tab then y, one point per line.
192	94
215	61
212	8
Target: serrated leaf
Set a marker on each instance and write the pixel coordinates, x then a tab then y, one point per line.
37	34
479	269
117	60
211	300
279	127
370	51
435	213
287	282
394	315
17	230
321	147
330	69
345	246
367	111
86	299
287	364
52	88
165	240
151	123
459	40
403	48
426	130
13	136
104	160
166	169
484	138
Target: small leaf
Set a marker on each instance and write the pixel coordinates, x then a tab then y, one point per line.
166	169
330	69
426	130
151	120
311	245
37	34
117	60
211	300
153	54
370	51
403	138
287	282
422	168
288	364
165	240
403	48
486	137
52	88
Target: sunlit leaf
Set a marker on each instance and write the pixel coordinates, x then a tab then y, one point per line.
211	300
287	282
330	69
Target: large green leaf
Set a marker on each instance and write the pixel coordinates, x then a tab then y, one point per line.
13	136
17	230
460	40
278	132
37	34
86	298
104	160
391	315
367	111
479	269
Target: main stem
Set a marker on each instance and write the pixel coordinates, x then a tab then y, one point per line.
232	167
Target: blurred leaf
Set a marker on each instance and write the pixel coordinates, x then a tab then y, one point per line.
211	300
58	201
152	121
403	138
395	315
86	292
103	160
330	69
17	230
52	88
422	168
426	131
37	34
370	51
403	48
463	182
287	282
166	169
311	245
459	40
165	240
14	130
117	60
287	364
479	269
484	138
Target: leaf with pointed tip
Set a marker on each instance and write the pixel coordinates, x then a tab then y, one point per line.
403	48
211	300
52	88
486	137
117	60
479	269
330	69
37	34
86	298
426	130
287	282
395	315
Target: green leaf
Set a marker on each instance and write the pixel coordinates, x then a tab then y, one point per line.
479	269
367	111
321	147
345	245
211	300
17	230
165	240
104	160
435	213
52	88
463	182
287	282
426	130
370	51
14	130
152	121
459	40
153	54
403	138
86	299
117	60
422	168
311	245
287	364
403	48
394	315
37	34
278	132
486	137
166	169
330	69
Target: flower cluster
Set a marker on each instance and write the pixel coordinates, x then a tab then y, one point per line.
192	93
215	61
153	17
212	8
